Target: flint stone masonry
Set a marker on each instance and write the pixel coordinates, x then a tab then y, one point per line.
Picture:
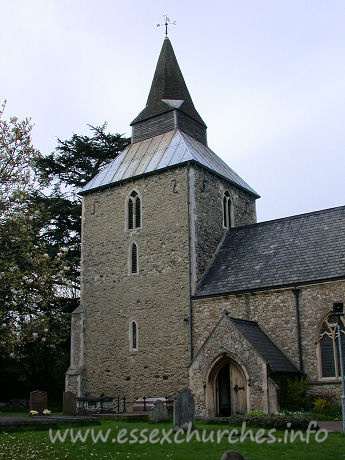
275	312
208	213
159	412
227	341
157	298
266	308
184	409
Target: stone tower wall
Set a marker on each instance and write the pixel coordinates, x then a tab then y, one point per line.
157	298
208	214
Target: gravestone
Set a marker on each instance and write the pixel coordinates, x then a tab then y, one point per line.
69	403
232	455
159	412
184	409
38	400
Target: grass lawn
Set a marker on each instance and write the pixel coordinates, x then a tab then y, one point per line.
37	444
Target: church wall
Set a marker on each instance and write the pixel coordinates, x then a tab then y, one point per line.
275	312
315	303
157	298
208	214
264	307
226	340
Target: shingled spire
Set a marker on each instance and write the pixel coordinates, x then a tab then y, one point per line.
169	105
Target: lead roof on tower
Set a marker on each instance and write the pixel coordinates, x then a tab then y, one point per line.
165	151
168	89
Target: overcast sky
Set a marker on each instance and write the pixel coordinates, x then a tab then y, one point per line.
267	77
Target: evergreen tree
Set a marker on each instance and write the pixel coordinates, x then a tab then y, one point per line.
73	163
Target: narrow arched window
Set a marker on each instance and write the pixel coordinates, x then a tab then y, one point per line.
225	214
130	213
133	211
329	346
227	210
137	213
134	258
133	336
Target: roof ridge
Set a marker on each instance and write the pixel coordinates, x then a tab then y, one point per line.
296	250
293	217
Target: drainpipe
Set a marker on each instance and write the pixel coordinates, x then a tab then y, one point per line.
298	324
190	268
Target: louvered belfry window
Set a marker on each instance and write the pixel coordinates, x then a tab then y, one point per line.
227	208
133	211
134	258
329	347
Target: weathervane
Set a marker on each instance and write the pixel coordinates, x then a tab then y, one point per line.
167	23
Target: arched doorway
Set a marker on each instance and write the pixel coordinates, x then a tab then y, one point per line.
226	392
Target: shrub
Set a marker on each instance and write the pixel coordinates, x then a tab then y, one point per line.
320	405
293	395
324	407
258	413
278	421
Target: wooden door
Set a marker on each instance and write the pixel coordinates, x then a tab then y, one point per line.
238	386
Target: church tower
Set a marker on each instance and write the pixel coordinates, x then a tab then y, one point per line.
152	221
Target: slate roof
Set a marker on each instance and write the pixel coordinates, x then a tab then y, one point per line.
283	252
270	353
168	90
161	152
